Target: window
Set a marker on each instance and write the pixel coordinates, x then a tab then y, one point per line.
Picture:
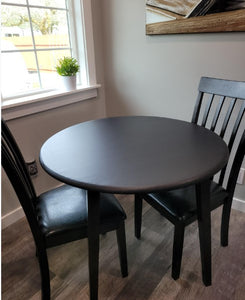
34	35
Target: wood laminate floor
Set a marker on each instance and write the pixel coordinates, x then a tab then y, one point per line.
149	263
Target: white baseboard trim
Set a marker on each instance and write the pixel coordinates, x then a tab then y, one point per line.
18	213
12	217
238	204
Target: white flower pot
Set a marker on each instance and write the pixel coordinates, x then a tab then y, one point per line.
69	82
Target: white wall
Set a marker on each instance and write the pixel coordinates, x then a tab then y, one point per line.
159	75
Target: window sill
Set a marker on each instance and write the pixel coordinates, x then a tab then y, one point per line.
24	106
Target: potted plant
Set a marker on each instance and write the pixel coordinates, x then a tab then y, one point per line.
67	68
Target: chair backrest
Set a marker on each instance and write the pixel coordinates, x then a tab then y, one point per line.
14	165
17	155
220	107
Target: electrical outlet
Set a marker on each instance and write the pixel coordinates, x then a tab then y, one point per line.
240	178
32	168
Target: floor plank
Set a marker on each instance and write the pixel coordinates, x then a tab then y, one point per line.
149	262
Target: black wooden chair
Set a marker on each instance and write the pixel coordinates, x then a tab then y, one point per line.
59	215
220	108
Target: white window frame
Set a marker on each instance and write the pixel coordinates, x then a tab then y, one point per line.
22	106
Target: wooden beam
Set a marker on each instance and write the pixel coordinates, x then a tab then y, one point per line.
219	22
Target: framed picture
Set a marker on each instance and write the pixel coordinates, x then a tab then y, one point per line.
193	16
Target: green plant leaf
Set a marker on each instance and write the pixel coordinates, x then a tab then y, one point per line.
67	66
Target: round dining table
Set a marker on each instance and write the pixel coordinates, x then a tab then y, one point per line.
136	155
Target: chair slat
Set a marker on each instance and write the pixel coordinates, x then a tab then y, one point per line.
13	171
231	184
232	139
19	160
217	113
207	110
236	126
197	108
227	117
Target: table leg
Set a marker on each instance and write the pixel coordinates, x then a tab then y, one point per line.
93	242
204	224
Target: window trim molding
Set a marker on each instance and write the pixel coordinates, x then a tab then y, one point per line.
88	40
16	108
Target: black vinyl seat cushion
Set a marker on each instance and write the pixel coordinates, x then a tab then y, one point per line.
181	203
63	214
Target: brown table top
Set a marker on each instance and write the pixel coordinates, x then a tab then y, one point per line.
133	154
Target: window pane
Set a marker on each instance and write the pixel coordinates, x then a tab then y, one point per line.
47	61
19	73
15	28
15	1
50	28
31	48
50	3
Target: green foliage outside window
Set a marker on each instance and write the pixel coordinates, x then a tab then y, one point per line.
43	20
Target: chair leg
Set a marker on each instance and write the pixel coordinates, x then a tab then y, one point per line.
225	223
93	200
44	270
122	249
137	215
179	231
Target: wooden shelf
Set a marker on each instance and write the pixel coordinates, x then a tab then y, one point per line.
219	22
